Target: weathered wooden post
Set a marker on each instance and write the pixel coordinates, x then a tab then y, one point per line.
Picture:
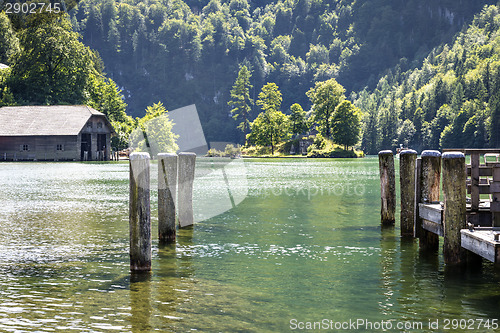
407	166
430	177
418	199
387	187
187	163
454	217
139	213
167	188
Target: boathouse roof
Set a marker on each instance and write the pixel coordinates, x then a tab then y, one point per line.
46	120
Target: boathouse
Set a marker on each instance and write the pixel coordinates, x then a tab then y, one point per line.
57	133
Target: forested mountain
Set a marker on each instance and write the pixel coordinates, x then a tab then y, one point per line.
452	100
185	52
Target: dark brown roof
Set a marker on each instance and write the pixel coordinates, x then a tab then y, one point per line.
45	120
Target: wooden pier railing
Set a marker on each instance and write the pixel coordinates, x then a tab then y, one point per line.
471	223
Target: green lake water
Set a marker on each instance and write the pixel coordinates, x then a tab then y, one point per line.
279	243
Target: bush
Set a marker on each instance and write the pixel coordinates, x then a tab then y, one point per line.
320	142
256	151
232	151
214	153
327	149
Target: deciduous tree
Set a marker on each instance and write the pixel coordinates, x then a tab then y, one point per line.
271	126
298	119
53	66
346	124
154	132
325	96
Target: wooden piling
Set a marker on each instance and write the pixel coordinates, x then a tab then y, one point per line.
140	212
187	163
167	189
418	177
387	187
454	217
407	166
430	176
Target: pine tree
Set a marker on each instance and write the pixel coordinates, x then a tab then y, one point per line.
494	124
240	99
298	121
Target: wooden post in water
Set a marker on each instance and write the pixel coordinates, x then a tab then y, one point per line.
407	166
187	162
418	199
430	177
454	217
140	213
387	187
167	188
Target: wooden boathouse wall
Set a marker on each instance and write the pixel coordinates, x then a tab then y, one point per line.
55	133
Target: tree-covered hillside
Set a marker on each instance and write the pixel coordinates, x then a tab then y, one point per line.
185	52
451	100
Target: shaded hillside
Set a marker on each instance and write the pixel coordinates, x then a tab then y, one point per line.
185	52
451	100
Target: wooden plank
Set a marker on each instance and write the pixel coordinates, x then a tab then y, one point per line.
474	160
484	171
494	187
436	228
483	189
474	151
495	198
496	173
431	212
480	218
481	243
490	156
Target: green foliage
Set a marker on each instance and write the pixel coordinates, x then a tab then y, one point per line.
270	97
325	148
106	97
187	52
212	152
49	65
52	66
406	133
451	99
9	43
325	96
298	120
232	151
346	124
241	102
271	126
154	132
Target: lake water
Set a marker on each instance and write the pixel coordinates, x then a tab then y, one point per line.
280	243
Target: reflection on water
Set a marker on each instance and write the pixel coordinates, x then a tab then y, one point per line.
304	243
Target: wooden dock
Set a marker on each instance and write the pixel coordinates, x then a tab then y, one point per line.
471	223
483	242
